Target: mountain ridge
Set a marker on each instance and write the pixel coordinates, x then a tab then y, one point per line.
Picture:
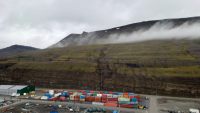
15	49
96	37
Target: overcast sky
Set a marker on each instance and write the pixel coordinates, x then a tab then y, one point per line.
41	23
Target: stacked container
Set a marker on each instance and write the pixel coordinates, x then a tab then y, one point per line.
82	98
112	99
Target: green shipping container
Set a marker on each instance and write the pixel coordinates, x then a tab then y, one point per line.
27	89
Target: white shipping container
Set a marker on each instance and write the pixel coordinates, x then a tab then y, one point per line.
98	103
109	95
44	98
115	96
57	94
71	97
99	95
194	110
124	99
51	92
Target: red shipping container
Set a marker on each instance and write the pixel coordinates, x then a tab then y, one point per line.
110	92
138	97
87	98
112	99
104	100
62	98
126	105
54	99
70	93
131	96
76	98
84	93
110	104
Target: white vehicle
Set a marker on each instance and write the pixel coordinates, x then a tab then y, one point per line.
27	104
71	110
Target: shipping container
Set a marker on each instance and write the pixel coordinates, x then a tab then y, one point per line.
126	105
134	99
90	98
109	104
123	99
138	98
44	98
99	95
124	102
62	98
82	96
57	94
97	99
98	103
48	95
82	100
115	96
71	97
54	99
109	95
51	92
65	94
104	100
76	97
112	99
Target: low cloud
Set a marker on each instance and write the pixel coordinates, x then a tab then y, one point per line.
40	23
158	31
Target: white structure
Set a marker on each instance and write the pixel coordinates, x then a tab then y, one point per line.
194	110
10	89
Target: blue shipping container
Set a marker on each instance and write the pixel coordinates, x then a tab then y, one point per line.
134	100
65	94
82	97
48	95
53	112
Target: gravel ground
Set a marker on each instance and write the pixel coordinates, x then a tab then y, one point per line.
177	104
43	107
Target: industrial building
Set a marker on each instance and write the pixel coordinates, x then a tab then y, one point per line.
15	89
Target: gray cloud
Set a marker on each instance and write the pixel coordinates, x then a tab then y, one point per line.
41	23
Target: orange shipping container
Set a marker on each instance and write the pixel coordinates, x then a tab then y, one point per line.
110	104
90	99
125	95
97	99
77	98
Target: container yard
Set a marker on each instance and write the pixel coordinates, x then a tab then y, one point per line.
64	100
89	101
101	98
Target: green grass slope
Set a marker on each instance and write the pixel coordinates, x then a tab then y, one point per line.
172	58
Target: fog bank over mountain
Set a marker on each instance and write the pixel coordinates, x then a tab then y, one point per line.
183	28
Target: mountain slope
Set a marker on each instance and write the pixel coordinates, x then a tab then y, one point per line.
15	49
163	67
114	34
